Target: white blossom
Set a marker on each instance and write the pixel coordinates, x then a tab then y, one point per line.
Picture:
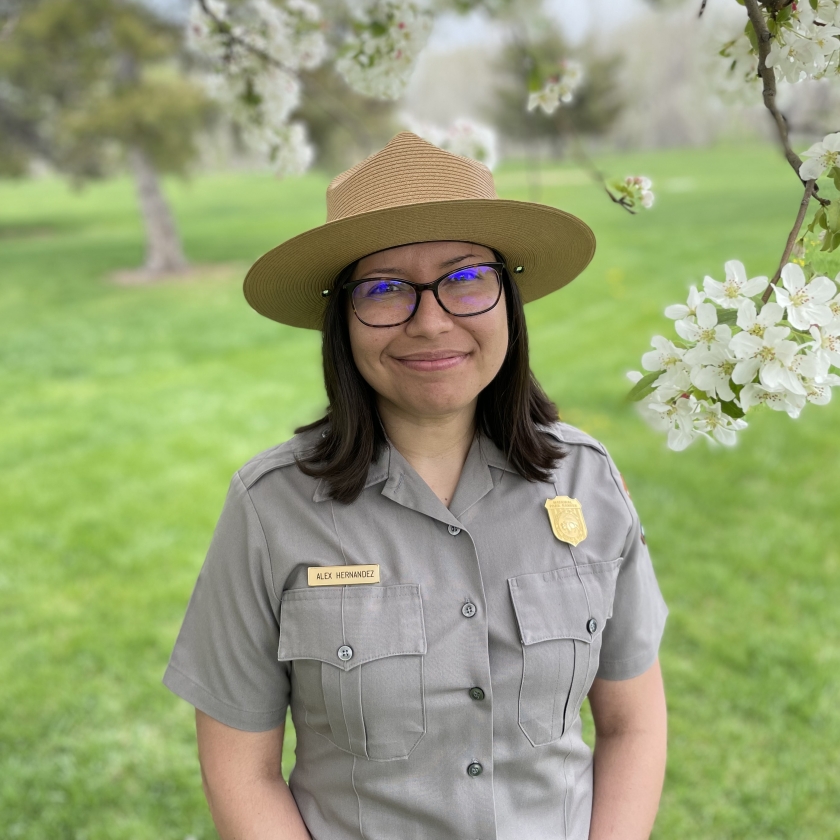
735	288
821	157
559	90
686	310
713	372
379	56
818	392
754	394
710	420
827	344
806	304
703	330
677	417
769	356
639	189
755	323
665	355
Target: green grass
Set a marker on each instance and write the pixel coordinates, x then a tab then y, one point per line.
125	410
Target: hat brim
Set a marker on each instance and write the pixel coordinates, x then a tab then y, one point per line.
550	245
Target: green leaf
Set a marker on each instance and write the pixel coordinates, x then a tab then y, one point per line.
727	316
831	241
644	386
819	219
834	174
731	410
814	4
750	33
783	15
832	216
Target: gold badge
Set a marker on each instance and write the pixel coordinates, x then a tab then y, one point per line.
566	519
342	575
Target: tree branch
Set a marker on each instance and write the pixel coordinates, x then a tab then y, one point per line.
768	78
791	240
353	126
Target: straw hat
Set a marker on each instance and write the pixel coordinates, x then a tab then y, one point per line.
412	191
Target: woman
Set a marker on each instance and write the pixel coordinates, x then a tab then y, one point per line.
437	573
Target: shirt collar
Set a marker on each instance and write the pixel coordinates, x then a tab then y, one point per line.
404	486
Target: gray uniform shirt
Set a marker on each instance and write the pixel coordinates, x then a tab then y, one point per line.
442	702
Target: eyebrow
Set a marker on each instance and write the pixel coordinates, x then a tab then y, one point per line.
444	264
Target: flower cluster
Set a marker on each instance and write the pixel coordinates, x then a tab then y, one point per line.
634	190
379	56
255	50
463	137
735	352
804	43
558	90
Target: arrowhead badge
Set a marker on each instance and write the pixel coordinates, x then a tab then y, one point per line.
566	519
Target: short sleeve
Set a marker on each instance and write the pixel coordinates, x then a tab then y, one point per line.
632	636
225	659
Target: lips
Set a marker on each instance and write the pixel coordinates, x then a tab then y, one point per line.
432	360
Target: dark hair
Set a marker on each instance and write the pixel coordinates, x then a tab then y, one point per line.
508	411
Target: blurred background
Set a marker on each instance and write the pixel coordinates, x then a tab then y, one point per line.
135	380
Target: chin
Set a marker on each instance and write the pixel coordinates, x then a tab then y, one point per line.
439	407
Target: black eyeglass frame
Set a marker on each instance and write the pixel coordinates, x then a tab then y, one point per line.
419	288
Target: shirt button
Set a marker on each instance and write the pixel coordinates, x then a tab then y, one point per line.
345	652
468	610
474	769
591	625
454	531
476	693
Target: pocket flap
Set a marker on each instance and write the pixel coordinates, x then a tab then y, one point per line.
555	605
374	622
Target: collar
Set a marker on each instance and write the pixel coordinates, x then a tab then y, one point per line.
403	485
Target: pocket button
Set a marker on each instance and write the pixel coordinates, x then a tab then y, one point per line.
591	625
345	652
468	610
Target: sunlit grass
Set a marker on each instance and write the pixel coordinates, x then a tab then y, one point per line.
126	410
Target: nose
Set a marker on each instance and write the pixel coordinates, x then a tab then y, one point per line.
429	319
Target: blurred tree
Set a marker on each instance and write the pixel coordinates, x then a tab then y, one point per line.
526	61
89	85
344	126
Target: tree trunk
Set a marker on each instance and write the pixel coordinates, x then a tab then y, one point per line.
163	245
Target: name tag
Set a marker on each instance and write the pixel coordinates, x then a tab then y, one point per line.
342	575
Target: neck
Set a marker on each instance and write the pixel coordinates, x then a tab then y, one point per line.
436	447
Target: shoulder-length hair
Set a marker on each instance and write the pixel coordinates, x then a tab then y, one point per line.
509	409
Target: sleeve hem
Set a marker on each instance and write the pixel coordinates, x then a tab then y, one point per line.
626	669
198	696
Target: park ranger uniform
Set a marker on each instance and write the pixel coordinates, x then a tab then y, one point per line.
435	685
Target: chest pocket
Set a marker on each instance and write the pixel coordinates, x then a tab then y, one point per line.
561	619
357	661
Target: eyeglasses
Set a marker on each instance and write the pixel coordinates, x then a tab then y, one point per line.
389	302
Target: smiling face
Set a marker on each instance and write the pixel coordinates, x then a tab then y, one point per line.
434	365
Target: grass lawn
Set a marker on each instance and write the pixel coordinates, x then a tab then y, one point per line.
125	411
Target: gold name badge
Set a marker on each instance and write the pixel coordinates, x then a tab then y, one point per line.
342	575
566	517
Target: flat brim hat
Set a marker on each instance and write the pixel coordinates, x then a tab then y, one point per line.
412	191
